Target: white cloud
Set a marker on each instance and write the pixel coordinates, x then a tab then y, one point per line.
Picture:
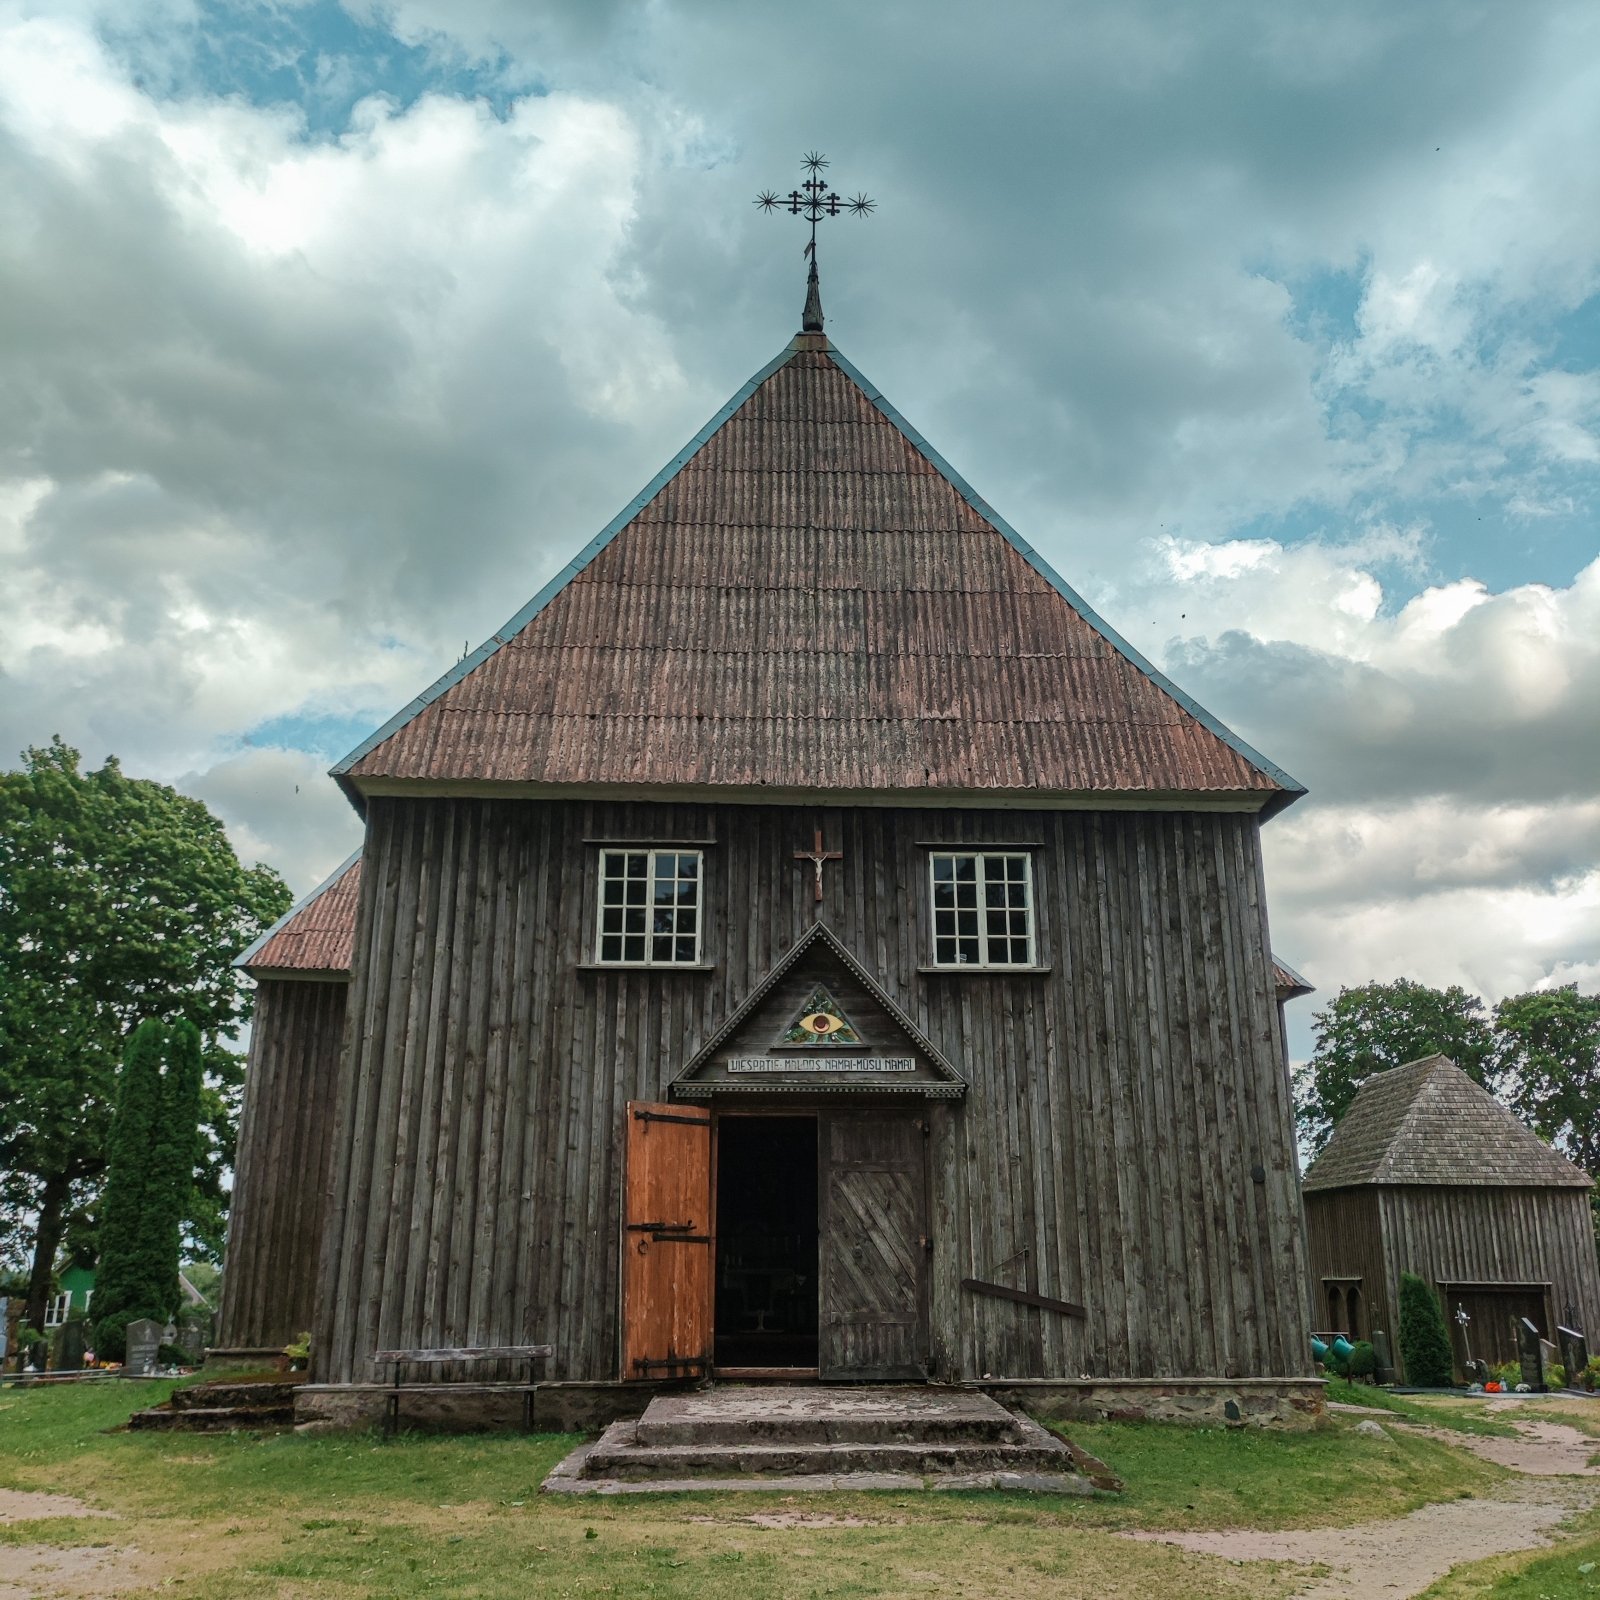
286	420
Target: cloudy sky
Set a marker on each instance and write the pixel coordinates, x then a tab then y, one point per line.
332	329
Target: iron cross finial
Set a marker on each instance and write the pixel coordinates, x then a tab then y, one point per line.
814	200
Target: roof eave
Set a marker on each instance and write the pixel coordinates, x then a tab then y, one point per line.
245	960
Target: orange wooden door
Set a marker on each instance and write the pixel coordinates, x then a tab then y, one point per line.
666	1243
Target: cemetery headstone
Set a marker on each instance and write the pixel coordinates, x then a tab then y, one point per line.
1574	1352
144	1345
1530	1352
1383	1357
5	1329
71	1341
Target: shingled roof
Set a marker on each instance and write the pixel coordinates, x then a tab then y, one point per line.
1428	1122
315	936
1287	984
808	598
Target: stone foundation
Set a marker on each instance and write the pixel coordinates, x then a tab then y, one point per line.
1206	1402
590	1407
479	1407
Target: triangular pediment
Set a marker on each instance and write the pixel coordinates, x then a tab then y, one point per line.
755	1049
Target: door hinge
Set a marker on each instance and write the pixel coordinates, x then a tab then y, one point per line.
667	1116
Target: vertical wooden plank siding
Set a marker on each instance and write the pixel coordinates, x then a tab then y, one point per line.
1483	1234
1119	1100
281	1168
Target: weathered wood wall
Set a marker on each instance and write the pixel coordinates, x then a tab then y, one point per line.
1126	1141
1454	1234
281	1171
1344	1239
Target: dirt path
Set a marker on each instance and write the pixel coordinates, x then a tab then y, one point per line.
27	1570
1399	1558
1541	1449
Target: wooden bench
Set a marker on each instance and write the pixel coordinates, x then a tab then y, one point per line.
533	1354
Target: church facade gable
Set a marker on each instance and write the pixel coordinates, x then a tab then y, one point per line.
818	1023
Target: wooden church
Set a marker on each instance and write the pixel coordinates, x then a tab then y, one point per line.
807	941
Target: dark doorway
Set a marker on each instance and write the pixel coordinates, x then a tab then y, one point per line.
766	1308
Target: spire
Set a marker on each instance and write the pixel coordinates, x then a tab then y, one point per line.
811	319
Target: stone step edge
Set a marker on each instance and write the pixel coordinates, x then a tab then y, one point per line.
204	1418
618	1454
809	1430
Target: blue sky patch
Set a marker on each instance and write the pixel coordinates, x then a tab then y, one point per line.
316	57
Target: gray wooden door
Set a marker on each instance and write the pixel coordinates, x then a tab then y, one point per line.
873	1250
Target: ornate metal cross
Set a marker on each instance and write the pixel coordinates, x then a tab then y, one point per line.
816	855
814	200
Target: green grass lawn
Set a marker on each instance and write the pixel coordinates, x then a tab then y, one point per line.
1556	1575
282	1514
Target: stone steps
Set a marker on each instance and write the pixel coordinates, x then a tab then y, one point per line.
826	1436
619	1454
221	1407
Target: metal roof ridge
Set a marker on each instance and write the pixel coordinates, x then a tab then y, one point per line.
245	956
515	624
1291	787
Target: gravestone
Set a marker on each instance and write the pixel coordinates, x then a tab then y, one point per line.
144	1345
1382	1357
5	1330
1530	1352
1574	1352
71	1341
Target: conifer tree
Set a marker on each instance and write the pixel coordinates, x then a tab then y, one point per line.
1424	1344
129	1282
174	1150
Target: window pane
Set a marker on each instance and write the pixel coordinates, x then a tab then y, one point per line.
611	920
994	892
661	947
633	947
683	950
611	947
969	950
966	869
967	922
663	922
1014	868
944	868
688	866
995	923
635	920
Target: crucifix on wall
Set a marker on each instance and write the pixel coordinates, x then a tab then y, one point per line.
816	855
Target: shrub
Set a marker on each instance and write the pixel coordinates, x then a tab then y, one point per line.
1508	1373
1556	1375
1363	1360
1424	1344
1591	1374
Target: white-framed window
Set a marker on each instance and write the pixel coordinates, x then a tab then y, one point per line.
650	908
58	1309
982	908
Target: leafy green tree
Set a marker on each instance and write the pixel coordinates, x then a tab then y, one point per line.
119	899
131	1280
1375	1026
1425	1351
1548	1058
